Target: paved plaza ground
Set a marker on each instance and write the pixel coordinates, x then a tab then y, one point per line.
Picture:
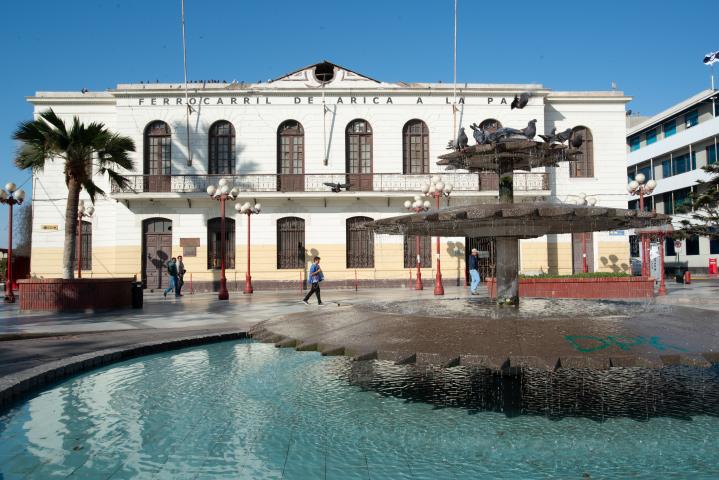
31	339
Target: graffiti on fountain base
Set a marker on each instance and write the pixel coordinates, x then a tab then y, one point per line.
589	343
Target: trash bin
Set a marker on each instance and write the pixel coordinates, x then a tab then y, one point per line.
679	275
137	296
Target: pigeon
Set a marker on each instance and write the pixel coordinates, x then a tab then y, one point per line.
520	101
530	130
480	136
337	187
564	136
551	137
84	90
576	141
462	140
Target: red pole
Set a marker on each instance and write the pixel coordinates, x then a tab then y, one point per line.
643	240
438	287
79	245
191	290
248	277
418	285
224	294
662	286
9	296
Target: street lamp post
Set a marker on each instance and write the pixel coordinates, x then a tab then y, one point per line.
81	213
222	192
436	188
638	187
249	210
10	196
418	206
583	199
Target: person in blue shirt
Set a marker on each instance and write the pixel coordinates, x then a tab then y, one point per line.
316	276
474	271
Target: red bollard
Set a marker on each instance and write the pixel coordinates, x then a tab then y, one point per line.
687	277
300	282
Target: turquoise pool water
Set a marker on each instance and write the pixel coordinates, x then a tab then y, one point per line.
249	410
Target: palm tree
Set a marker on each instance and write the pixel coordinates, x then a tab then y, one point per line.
83	148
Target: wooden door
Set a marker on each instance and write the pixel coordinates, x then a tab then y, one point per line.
487	254
579	246
156	251
291	157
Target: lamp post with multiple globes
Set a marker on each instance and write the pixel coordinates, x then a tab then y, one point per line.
81	213
437	188
222	192
247	209
583	199
10	196
417	206
638	187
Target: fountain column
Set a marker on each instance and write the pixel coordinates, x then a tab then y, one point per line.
507	260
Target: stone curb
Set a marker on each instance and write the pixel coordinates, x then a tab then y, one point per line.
14	386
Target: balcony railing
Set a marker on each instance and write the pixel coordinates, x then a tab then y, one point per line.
371	182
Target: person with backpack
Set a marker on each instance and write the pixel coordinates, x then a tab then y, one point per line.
316	276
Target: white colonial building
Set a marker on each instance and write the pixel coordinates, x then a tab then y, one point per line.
279	142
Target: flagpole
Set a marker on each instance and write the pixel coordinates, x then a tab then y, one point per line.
454	83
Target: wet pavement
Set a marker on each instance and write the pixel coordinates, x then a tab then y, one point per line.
397	324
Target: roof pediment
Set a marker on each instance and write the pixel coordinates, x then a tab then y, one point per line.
325	74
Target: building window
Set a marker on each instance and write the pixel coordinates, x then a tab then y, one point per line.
711	154
86	243
633	246
214	243
290	156
713	246
410	251
691	119
583	166
684	163
682	200
669	250
634	143
157	162
692	244
290	243
669	128
415	147
358	155
222	149
651	136
668	203
646	169
666	168
360	243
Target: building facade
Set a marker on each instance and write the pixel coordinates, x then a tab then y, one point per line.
671	148
280	141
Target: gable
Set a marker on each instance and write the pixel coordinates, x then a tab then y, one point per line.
324	73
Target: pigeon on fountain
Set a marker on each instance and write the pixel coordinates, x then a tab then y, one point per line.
337	187
530	130
480	136
520	101
552	137
564	136
462	140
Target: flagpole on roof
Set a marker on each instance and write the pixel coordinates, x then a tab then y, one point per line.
188	108
454	85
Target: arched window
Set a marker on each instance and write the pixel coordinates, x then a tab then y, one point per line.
583	166
290	243
415	147
291	157
222	149
214	249
358	155
157	164
490	125
86	246
360	243
410	251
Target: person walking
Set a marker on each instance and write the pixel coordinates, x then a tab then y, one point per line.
172	272
180	275
316	276
474	271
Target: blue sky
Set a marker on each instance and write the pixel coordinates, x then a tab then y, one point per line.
652	50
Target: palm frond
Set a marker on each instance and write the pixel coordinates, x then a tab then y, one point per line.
92	189
115	178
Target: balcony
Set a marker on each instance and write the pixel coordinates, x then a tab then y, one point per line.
314	184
